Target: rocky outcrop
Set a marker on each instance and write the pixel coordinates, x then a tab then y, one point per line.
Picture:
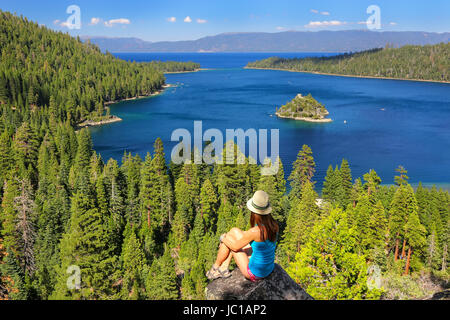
278	286
444	295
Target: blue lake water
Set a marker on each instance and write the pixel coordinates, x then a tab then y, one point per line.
378	124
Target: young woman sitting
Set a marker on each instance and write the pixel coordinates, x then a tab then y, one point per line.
252	250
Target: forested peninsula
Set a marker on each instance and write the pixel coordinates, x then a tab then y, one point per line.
148	229
55	75
424	63
304	109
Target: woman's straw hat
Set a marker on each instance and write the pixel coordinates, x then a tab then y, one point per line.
260	204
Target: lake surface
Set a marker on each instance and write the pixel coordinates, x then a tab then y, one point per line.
378	124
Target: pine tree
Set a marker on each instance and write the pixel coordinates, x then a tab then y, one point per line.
433	258
356	191
25	226
328	266
329	185
300	222
133	279
161	281
86	245
13	277
208	203
362	216
25	147
115	183
154	181
402	178
303	170
225	219
131	167
184	201
9	216
414	236
404	204
241	221
372	182
81	167
346	183
233	180
269	184
377	228
5	156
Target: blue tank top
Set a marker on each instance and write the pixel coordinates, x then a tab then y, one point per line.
262	261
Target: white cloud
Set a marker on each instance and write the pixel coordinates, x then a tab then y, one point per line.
324	13
201	21
95	21
172	19
332	23
393	23
280	28
64	24
188	19
362	22
112	22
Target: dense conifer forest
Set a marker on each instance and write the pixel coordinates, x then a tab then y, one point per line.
147	229
430	62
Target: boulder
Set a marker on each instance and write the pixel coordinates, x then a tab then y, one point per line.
278	286
444	295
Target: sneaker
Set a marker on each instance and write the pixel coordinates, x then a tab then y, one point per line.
213	274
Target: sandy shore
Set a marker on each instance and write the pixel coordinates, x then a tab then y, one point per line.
325	120
196	70
348	76
91	123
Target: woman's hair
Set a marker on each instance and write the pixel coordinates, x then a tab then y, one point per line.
266	222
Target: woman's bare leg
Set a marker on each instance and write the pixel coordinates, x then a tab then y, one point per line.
242	261
226	264
241	257
222	256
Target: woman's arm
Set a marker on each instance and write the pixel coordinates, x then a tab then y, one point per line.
237	243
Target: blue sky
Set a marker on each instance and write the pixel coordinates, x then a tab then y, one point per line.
192	19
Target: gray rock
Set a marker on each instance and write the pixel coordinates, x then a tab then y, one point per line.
444	295
278	286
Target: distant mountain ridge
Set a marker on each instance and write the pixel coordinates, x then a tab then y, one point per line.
289	41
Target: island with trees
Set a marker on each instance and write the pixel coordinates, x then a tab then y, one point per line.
304	109
423	63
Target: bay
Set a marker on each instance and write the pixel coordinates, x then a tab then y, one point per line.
378	124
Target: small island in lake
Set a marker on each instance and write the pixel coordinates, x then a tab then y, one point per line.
304	109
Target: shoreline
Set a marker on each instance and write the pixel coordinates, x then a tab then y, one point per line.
92	123
113	118
164	87
348	76
324	120
176	72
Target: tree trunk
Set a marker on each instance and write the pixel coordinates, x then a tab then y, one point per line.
403	249
407	262
396	250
